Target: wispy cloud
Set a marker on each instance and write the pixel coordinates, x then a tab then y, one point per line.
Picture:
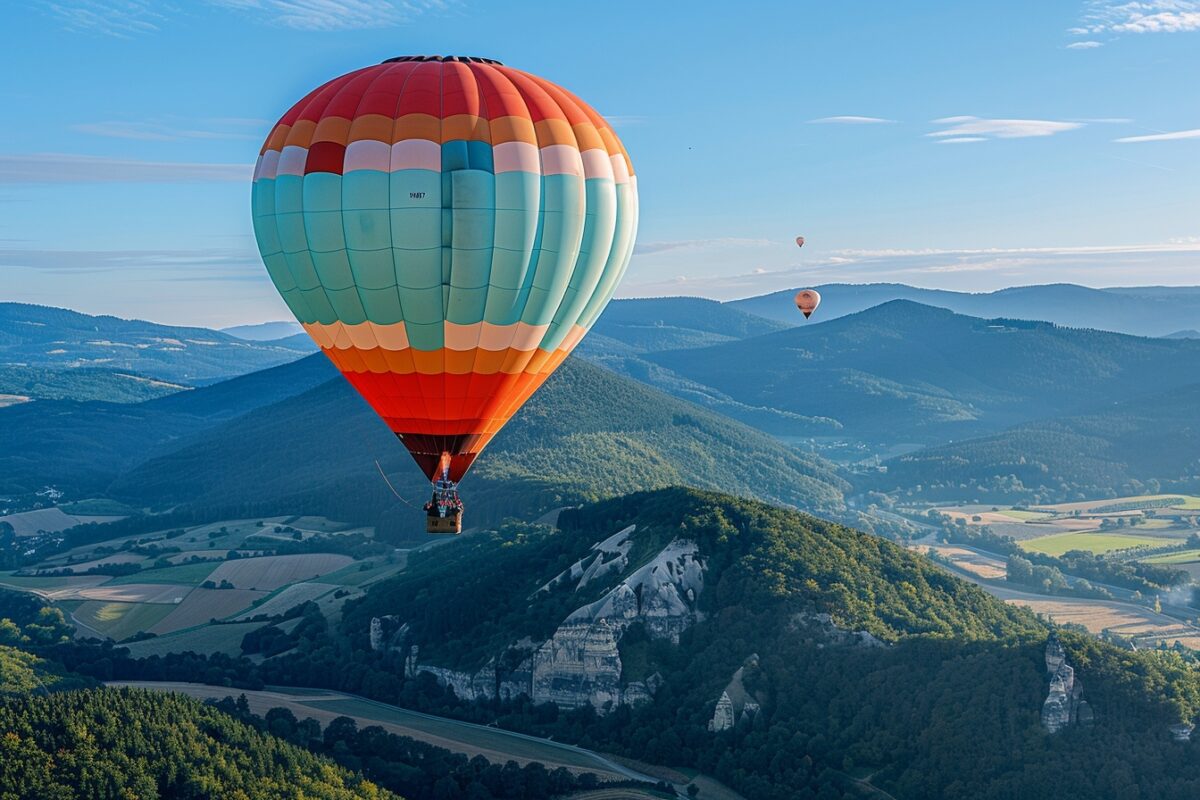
971	269
1161	137
650	248
1139	16
962	140
68	168
153	131
850	120
1090	44
1001	128
226	260
334	15
128	18
121	18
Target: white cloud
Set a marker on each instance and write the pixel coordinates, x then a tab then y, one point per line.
67	168
1161	137
1088	45
851	120
334	15
962	140
169	132
227	262
651	248
123	19
1139	16
1001	128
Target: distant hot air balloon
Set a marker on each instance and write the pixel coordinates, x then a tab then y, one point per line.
799	241
807	301
446	229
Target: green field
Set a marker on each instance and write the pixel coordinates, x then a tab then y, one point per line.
1060	543
1024	516
45	582
184	575
121	620
1186	557
354	575
208	639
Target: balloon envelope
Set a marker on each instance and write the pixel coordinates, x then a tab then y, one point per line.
799	241
446	229
807	301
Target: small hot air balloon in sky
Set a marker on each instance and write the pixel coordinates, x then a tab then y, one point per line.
799	241
447	229
807	301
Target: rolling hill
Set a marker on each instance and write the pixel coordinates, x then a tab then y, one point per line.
840	654
44	338
905	372
82	446
1132	447
1141	311
586	434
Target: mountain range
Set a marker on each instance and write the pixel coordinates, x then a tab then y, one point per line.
1141	311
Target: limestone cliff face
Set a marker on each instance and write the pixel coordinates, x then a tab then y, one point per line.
661	594
580	664
735	706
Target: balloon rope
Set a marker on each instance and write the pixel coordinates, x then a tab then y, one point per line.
383	475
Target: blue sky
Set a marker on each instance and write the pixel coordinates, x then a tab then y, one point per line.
965	145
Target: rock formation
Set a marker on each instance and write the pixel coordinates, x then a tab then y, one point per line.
1182	731
1064	705
580	663
735	706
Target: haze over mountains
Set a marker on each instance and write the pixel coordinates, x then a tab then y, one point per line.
1142	311
898	375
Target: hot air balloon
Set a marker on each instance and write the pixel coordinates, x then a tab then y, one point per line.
799	241
807	301
447	229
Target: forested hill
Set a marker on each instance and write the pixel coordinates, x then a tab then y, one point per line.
942	703
905	372
1144	445
1141	311
130	743
671	323
586	434
42	337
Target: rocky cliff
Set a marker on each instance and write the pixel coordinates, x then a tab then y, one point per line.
1064	704
580	664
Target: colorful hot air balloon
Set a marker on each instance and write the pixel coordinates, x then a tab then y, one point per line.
447	229
807	301
799	241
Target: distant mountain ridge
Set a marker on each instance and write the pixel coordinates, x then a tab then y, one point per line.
57	339
1140	311
906	372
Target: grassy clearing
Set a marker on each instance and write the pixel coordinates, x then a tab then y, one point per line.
1059	543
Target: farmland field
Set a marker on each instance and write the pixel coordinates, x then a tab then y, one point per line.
120	620
134	592
272	572
289	598
982	566
193	574
1185	557
202	605
1060	543
208	639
